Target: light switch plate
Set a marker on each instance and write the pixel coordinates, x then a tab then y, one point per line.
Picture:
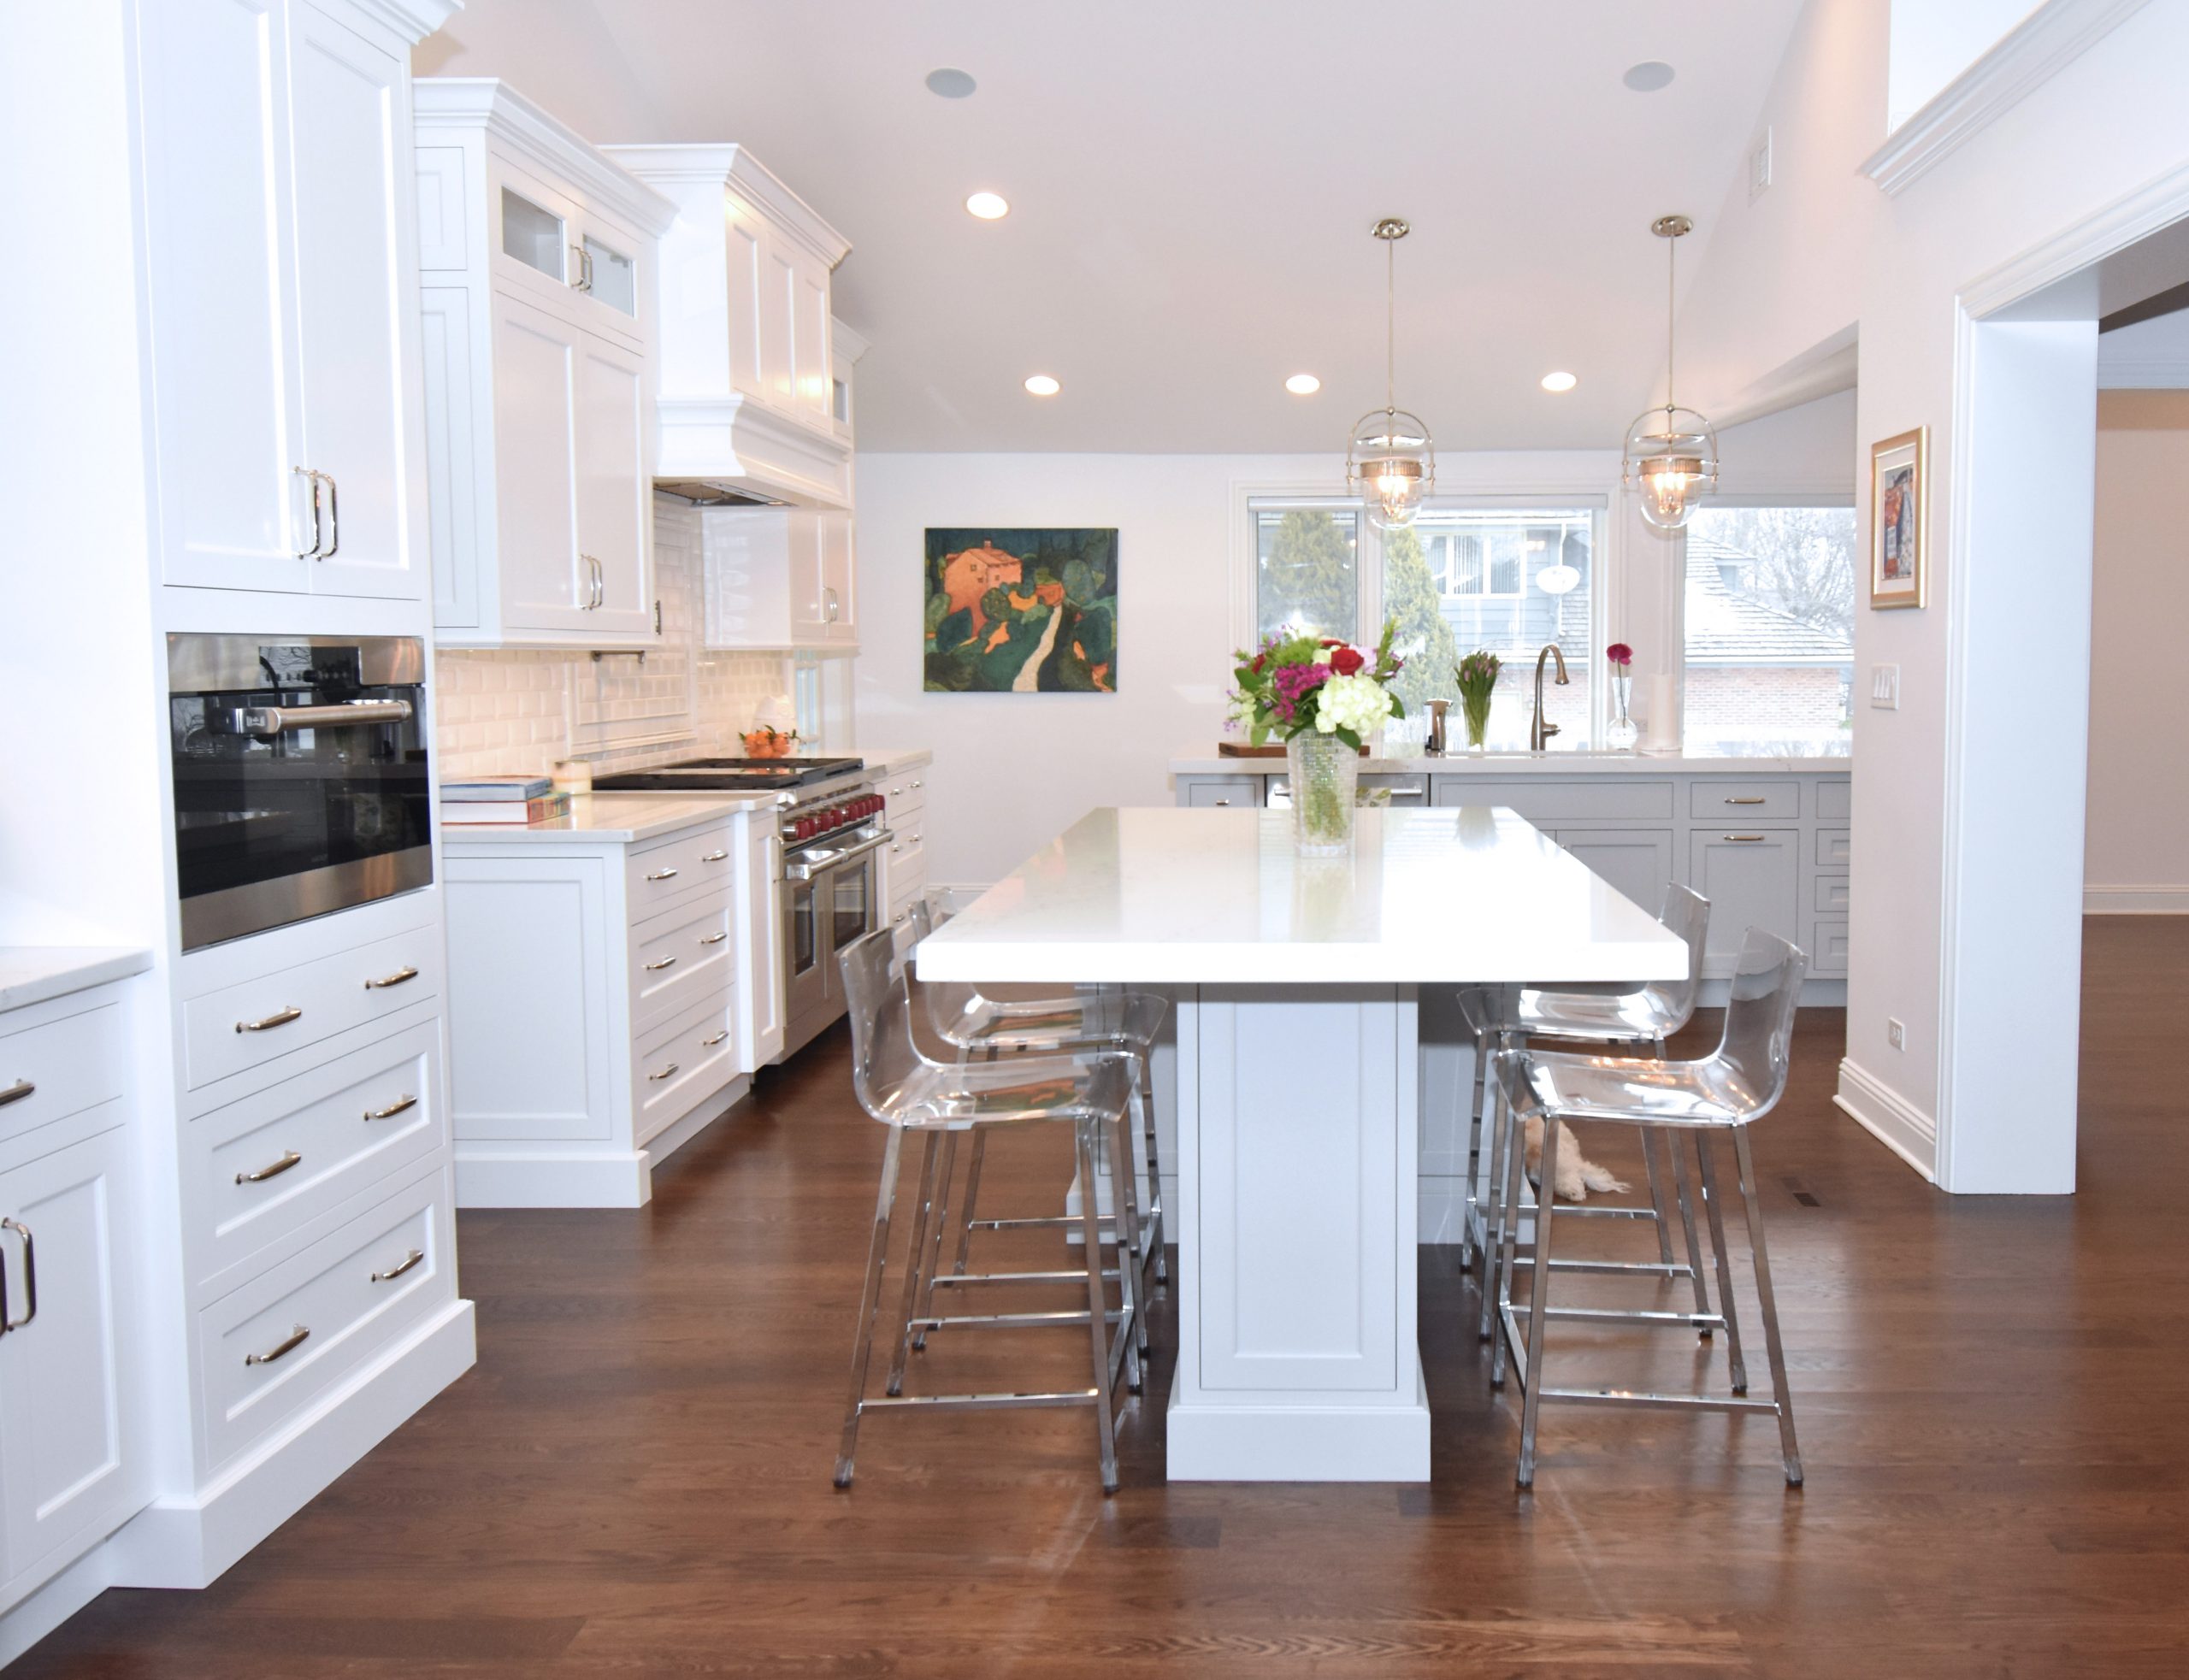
1759	167
1884	687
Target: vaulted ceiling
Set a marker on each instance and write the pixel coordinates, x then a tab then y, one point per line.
1191	187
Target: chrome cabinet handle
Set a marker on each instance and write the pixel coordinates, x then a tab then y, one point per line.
289	1158
710	1043
280	1017
269	720
582	280
399	1267
665	963
664	1074
317	537
333	519
919	784
600	584
288	1344
714	857
1748	799
831	594
16	1093
405	973
714	938
30	1279
1408	793
1225	801
402	1104
1745	839
662	874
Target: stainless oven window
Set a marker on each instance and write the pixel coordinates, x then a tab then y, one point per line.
851	903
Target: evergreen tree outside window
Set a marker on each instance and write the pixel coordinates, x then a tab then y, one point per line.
1308	571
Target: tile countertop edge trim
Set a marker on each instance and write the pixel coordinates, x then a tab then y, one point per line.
617	819
33	974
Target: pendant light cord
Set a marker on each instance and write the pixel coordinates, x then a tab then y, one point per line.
1671	256
1391	326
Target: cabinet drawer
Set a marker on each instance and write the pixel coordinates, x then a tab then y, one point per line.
1407	793
58	1067
340	1127
1214	793
1712	800
680	958
241	1026
1828	952
677	1066
674	869
905	791
1830	894
1832	848
257	1372
1543	799
1835	800
906	870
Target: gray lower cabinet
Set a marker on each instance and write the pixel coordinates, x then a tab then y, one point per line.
1638	862
1210	791
1752	878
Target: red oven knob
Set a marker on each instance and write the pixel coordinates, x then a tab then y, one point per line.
802	828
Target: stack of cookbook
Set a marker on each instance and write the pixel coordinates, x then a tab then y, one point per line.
512	799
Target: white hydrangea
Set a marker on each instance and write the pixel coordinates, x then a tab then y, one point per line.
1357	703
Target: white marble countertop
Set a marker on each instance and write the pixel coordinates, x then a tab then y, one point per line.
1826	754
30	974
1165	895
622	817
887	760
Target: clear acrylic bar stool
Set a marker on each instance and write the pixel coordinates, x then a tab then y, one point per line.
1639	1019
1727	1091
1118	1024
909	1094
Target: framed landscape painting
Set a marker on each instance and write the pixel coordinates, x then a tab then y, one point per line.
1900	526
1021	611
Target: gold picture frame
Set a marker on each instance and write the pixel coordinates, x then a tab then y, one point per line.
1900	519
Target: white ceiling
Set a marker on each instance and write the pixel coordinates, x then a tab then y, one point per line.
1191	186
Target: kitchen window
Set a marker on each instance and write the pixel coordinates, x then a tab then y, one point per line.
1307	566
1769	607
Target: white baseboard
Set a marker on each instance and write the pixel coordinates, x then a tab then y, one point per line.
191	1541
1896	1123
54	1603
2136	900
505	1175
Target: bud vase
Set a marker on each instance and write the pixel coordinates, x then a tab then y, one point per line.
1325	773
1621	733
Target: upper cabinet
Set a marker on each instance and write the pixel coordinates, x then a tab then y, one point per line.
746	401
778	578
281	281
848	346
538	305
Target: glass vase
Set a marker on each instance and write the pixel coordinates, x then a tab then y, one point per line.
1325	773
1477	713
1621	733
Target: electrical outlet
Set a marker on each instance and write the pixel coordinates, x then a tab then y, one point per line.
1884	687
1759	167
1894	1034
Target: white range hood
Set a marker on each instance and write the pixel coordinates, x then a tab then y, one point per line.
744	402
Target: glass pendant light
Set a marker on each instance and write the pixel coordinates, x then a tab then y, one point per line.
1672	452
1391	462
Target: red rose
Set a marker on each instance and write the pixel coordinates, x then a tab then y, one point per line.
1345	661
1256	668
1332	641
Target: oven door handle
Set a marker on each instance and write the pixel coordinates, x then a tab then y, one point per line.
805	867
268	721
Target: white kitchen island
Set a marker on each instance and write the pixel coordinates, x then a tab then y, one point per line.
1297	982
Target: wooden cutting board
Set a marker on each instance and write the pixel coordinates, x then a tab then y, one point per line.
1240	749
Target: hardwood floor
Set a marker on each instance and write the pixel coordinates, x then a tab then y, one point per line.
1992	1394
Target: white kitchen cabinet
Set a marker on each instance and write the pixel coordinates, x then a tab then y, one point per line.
843	379
839	626
538	307
764	1006
280	267
903	787
779	578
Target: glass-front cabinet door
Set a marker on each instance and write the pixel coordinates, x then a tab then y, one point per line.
607	275
533	234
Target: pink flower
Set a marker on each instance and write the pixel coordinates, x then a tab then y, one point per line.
1619	654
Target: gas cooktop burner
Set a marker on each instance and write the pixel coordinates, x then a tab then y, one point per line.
731	774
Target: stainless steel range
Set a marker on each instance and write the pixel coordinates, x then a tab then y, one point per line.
834	828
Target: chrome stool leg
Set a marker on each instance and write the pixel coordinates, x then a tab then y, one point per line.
1154	1209
869	1303
1790	1451
914	1254
945	1175
1498	1115
1530	1368
1703	1154
971	1204
1685	1196
1508	1236
1658	1213
1132	1328
1098	1309
1471	1206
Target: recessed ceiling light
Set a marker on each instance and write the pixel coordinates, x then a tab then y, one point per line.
1303	385
1558	382
1646	77
1042	386
989	206
950	84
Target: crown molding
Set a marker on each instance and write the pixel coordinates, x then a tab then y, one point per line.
733	167
850	344
415	19
2022	60
507	117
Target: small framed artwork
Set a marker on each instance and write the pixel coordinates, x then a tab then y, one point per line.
1900	524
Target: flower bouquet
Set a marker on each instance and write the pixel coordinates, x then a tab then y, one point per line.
1324	697
1477	675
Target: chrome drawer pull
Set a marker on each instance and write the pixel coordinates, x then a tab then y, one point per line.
16	1093
714	857
406	972
1745	839
710	1043
288	1344
665	963
1223	802
289	1158
399	1267
662	874
714	938
401	1103
657	1077
280	1017
1750	799
30	1279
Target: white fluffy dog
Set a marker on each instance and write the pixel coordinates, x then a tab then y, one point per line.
1577	1174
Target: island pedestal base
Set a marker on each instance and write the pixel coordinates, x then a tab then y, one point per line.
1298	1134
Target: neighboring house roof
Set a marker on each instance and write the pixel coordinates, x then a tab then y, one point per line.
1723	629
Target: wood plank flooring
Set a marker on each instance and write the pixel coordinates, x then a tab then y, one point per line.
1993	1398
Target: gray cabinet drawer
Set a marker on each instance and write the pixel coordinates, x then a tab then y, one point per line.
1752	877
1208	793
1830	895
1831	848
1828	948
1408	791
1719	799
1835	800
1541	798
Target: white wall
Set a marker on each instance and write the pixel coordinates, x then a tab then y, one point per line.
1933	41
2136	851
